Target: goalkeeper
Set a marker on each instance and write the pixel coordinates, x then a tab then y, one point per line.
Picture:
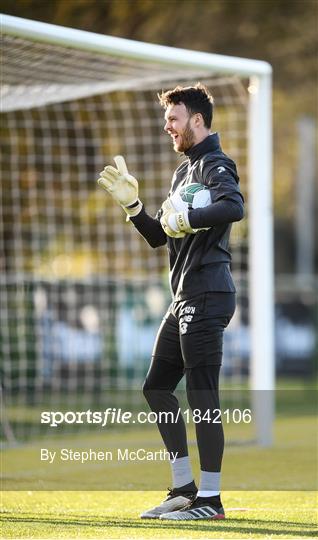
190	338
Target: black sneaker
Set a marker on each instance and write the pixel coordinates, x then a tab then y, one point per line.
201	508
176	499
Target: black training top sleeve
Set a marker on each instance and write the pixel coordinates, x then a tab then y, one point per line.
227	203
150	228
218	213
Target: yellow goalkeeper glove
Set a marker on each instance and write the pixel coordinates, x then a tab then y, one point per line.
168	220
176	224
122	186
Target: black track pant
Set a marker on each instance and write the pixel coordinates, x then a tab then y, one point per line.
189	342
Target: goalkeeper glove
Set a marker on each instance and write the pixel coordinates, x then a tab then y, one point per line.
176	224
169	220
122	186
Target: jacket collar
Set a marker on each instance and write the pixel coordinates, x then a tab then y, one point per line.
209	144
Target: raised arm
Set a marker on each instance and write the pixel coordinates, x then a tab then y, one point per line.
150	228
123	188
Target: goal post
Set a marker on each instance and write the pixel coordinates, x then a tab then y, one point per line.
47	71
261	250
136	50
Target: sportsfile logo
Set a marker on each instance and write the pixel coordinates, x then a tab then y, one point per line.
114	415
187	316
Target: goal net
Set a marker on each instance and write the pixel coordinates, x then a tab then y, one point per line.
82	294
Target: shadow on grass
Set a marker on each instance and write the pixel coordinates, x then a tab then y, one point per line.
243	525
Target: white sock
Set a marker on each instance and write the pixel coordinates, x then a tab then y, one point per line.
181	472
209	484
203	493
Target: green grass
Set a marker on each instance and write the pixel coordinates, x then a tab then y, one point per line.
290	464
115	515
283	477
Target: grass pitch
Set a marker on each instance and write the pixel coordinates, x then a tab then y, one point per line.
291	464
115	515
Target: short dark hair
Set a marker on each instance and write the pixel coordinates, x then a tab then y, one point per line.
197	99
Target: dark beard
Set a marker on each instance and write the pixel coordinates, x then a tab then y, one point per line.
187	139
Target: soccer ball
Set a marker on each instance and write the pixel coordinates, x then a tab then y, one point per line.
190	196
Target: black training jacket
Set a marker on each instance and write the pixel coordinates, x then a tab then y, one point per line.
200	262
